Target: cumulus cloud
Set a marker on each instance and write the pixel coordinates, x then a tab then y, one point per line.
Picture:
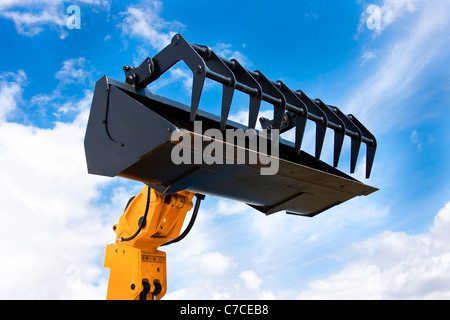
49	207
46	205
393	265
30	17
145	23
250	278
74	71
57	104
11	88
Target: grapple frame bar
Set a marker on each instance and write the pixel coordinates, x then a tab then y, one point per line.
288	104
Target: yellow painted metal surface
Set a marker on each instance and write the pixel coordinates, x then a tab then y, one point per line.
135	260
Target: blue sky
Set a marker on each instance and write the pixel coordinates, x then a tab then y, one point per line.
390	245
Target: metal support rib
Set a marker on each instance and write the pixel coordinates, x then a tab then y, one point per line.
204	63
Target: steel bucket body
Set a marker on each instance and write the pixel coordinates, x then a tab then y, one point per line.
132	133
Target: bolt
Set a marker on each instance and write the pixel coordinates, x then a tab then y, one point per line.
199	69
129	80
176	40
126	68
132	286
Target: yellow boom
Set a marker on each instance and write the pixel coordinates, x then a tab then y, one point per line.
137	267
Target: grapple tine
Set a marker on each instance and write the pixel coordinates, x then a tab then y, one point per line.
197	86
255	105
244	77
355	146
227	98
371	146
339	130
178	50
356	139
279	103
299	118
321	123
217	66
300	125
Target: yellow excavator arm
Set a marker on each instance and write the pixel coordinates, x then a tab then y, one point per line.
137	267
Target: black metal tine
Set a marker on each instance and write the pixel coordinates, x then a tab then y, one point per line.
197	86
321	123
300	118
216	65
356	140
371	147
244	77
227	98
179	49
339	132
279	105
255	105
300	125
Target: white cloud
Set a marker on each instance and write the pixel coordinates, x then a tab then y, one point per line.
47	208
393	265
392	10
31	24
251	279
211	263
366	56
225	51
389	12
46	205
74	71
415	139
145	23
11	88
378	101
31	16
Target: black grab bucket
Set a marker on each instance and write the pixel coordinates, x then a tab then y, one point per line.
136	134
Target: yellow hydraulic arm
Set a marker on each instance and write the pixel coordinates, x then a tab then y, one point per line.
137	267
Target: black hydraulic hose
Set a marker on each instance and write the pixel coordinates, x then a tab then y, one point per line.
191	222
142	221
